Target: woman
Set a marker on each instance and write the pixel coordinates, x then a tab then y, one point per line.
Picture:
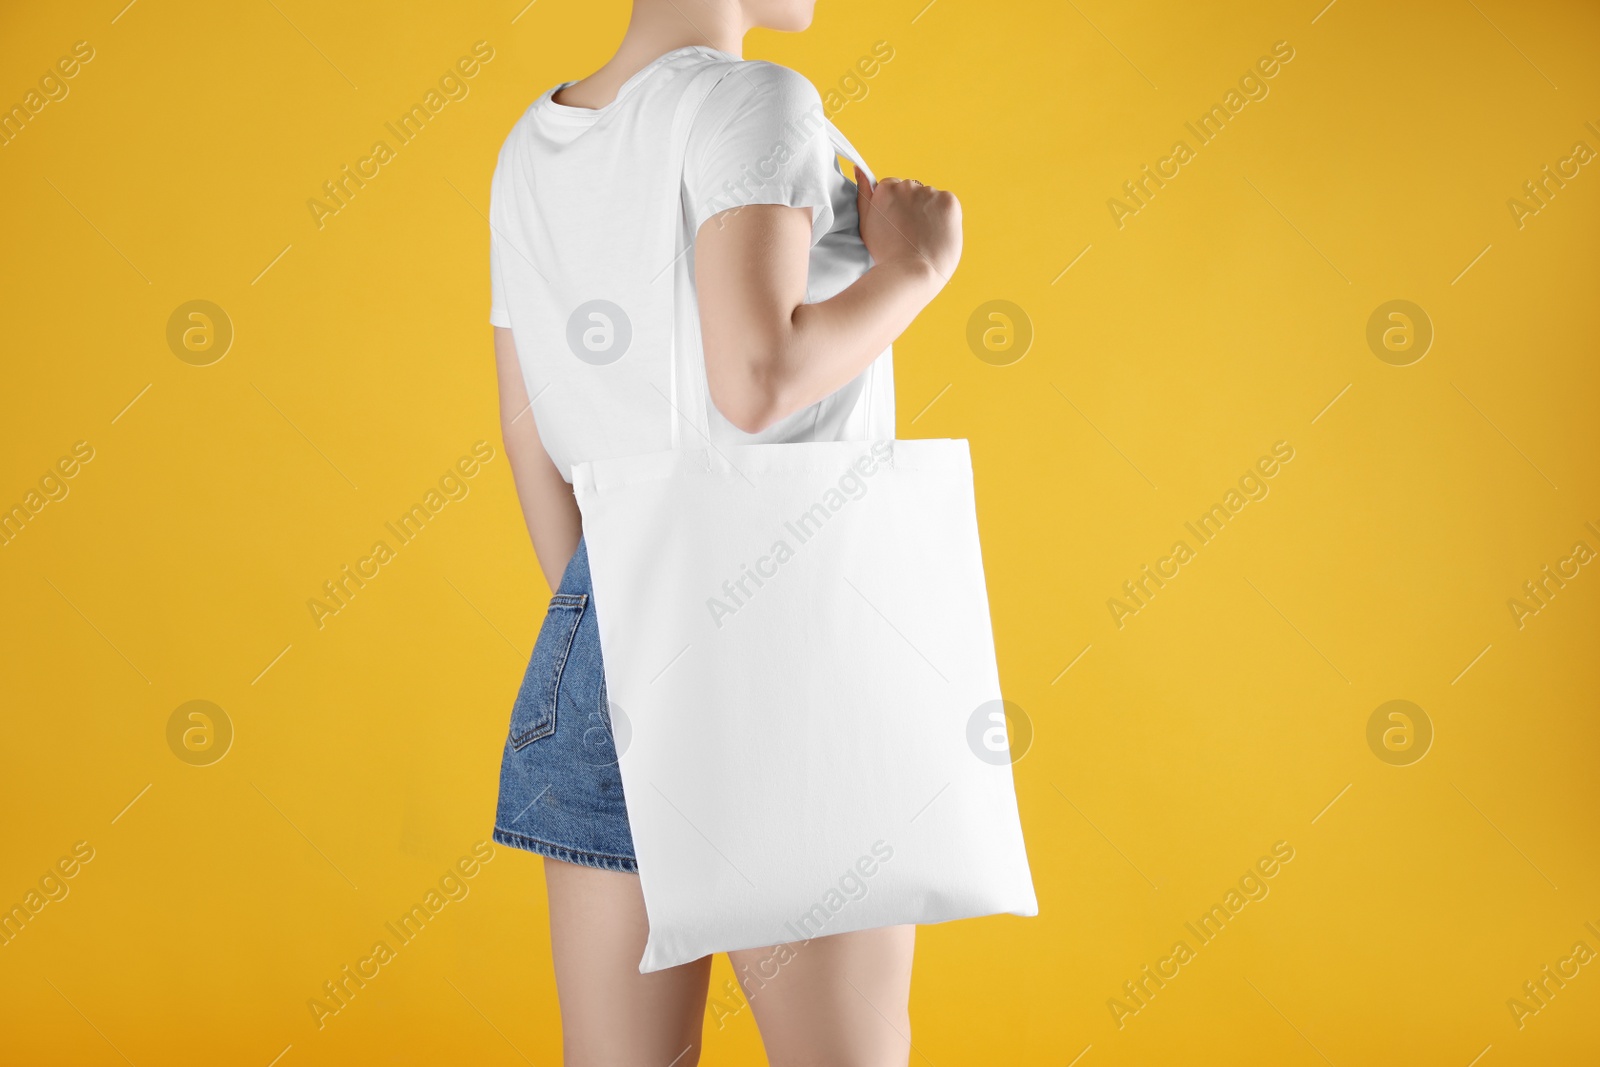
803	281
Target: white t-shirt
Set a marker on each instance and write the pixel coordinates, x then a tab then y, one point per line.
590	233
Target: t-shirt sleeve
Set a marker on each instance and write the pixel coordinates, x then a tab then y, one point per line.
499	314
761	137
499	311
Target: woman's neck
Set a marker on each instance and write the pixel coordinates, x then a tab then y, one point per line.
654	30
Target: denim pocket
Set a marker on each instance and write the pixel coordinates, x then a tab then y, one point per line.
534	714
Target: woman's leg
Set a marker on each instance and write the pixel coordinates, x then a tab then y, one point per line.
610	1013
838	1001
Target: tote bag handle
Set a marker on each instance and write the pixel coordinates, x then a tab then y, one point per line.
688	390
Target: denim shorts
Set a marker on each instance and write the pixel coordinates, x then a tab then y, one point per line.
560	789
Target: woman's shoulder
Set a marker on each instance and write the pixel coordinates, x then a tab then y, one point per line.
749	97
754	104
760	83
524	125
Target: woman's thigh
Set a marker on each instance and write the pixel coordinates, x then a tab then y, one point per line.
610	1013
839	1001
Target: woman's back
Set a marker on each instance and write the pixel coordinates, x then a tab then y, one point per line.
592	248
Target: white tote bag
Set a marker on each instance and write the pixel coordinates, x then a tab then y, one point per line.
802	679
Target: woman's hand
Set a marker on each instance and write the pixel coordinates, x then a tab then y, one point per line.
903	220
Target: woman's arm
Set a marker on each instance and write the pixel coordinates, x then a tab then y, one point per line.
770	354
548	506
